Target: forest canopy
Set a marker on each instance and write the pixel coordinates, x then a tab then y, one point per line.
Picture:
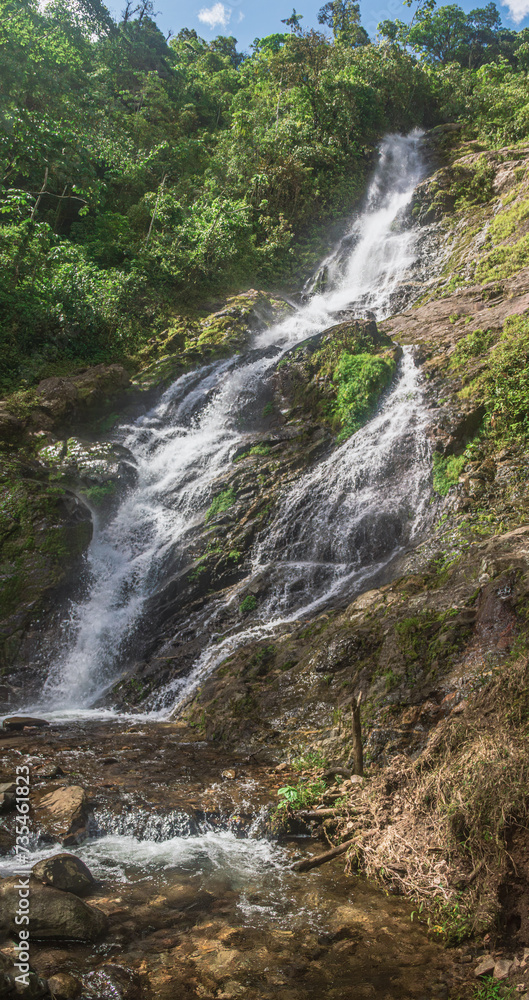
142	174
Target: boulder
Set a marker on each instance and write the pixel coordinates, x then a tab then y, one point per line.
114	981
18	722
65	872
55	914
10	426
34	989
62	814
57	396
63	399
64	987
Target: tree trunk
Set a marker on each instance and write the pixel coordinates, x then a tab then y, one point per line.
358	752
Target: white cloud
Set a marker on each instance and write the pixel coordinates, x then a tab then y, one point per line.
218	16
240	17
518	9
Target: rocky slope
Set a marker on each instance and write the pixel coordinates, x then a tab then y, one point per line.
439	655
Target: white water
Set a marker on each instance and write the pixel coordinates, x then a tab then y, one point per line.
189	438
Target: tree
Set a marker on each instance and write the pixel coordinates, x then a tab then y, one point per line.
227	46
449	35
292	22
395	32
343	16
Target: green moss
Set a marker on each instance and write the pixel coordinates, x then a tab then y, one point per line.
98	494
359	380
504	261
258	449
36	543
506	382
222	502
446	472
473	185
248	604
507	222
471	346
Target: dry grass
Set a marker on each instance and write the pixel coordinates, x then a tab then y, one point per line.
435	829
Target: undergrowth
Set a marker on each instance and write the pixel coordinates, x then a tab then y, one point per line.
446	471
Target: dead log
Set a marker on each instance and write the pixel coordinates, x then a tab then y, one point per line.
317	813
321	859
332	771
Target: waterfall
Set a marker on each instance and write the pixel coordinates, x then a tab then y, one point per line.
343	519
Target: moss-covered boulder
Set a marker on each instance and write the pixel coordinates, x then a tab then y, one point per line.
198	338
336	378
98	471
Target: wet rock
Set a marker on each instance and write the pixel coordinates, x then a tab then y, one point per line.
44	530
64	987
99	471
48	771
113	981
7	802
65	872
63	814
18	722
54	914
33	989
183	897
6	694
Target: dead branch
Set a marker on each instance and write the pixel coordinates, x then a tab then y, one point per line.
321	859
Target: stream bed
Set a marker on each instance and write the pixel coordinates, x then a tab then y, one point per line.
201	900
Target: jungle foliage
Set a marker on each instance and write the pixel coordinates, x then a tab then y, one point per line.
140	175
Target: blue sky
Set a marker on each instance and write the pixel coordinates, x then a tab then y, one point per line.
249	19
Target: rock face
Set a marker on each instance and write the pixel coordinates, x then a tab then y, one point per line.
65	872
54	914
62	814
195	340
44	530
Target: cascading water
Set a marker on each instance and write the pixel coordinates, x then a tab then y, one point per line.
335	526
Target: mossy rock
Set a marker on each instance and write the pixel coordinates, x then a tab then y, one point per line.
336	378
